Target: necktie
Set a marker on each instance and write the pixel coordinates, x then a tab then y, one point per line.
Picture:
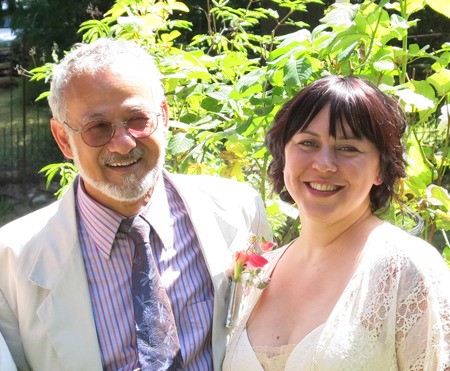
156	332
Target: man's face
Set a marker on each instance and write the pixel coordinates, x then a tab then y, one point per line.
124	169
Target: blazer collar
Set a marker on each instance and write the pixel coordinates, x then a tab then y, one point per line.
66	312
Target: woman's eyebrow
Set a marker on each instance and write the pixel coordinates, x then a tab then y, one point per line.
309	132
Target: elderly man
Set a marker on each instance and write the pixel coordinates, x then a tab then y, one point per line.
127	270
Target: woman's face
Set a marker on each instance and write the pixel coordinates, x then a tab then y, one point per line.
330	178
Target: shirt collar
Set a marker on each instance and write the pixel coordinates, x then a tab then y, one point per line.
101	224
158	212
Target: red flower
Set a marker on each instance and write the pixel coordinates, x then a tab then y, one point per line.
266	245
256	261
250	262
249	259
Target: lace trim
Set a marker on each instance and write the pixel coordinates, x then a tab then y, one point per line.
273	358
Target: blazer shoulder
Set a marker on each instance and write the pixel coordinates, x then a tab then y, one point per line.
19	232
22	229
216	185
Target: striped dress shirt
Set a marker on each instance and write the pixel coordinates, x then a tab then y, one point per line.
108	256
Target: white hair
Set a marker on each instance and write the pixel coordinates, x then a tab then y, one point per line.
100	55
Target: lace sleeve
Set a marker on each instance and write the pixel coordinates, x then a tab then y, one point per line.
422	334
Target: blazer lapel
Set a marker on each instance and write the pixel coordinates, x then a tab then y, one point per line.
66	312
218	239
215	234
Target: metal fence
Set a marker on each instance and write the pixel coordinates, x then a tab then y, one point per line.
26	144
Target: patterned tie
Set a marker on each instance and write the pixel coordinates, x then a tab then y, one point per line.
156	332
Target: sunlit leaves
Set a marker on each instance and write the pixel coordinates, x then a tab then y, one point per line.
441	81
414	101
66	172
439	198
297	72
440	6
419	173
180	142
225	87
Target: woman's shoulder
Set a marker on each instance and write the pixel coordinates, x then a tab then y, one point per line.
274	255
397	239
391	245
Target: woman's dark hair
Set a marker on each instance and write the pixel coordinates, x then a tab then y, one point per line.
369	113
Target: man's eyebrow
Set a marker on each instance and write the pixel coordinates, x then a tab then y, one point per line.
94	116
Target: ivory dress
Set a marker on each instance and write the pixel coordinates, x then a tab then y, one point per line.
394	314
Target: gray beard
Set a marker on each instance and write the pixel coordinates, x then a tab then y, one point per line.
132	189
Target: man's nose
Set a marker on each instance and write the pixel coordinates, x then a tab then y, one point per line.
122	141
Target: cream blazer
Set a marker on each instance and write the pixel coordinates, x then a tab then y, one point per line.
45	307
6	361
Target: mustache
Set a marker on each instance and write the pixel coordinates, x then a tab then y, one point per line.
133	155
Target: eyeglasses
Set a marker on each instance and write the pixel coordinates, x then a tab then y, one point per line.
100	132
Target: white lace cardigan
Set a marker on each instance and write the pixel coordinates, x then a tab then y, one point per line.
394	313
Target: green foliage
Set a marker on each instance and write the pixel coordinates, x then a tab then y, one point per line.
66	171
225	87
42	24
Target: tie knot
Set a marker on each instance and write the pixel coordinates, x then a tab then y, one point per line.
137	228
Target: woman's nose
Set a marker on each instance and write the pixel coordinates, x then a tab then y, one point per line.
325	160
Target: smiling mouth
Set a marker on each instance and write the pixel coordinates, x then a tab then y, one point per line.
124	163
323	187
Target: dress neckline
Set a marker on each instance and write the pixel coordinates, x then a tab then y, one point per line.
271	267
308	342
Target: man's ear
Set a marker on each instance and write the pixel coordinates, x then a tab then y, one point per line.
61	137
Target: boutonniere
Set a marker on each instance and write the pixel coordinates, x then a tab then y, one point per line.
247	265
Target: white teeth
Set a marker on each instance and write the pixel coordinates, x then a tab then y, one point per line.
123	163
323	187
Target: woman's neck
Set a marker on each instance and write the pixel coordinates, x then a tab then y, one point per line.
317	237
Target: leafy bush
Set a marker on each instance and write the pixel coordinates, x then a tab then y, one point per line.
225	87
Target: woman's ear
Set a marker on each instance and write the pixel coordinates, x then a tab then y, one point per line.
61	137
378	180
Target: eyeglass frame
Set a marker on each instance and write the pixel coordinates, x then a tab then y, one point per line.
113	131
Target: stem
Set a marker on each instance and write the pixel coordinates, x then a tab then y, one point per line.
441	168
372	40
404	45
231	304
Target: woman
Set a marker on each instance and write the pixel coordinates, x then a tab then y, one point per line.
352	292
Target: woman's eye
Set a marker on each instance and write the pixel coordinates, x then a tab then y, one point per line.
307	143
348	149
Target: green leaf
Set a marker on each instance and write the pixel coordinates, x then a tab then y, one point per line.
438	196
419	174
297	72
180	142
442	220
384	65
342	15
441	81
440	6
237	148
414	101
413	6
344	54
249	81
